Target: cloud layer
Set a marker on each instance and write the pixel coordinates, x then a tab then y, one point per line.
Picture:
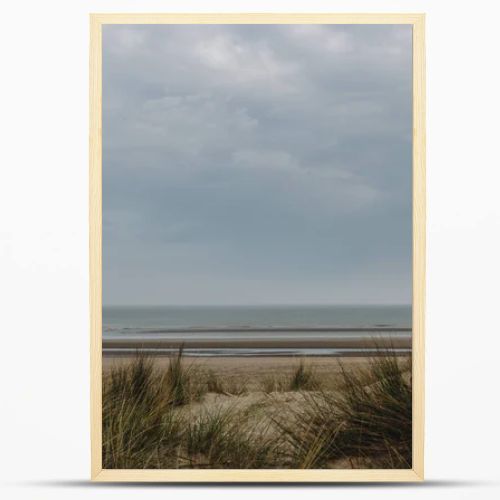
256	164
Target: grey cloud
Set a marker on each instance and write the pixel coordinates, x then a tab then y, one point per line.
256	163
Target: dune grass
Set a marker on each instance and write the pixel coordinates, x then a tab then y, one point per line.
137	421
149	420
231	386
184	383
231	438
302	378
146	423
367	424
275	383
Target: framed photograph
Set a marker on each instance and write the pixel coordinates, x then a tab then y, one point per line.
257	247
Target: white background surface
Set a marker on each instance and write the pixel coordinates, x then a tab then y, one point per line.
44	365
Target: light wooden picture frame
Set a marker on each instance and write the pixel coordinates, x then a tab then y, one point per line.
416	473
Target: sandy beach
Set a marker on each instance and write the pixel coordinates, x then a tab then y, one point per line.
253	366
253	370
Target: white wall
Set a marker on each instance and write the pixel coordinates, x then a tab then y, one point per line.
44	247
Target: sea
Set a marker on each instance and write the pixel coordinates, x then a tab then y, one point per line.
252	326
303	330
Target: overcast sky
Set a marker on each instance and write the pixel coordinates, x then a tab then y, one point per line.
254	164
